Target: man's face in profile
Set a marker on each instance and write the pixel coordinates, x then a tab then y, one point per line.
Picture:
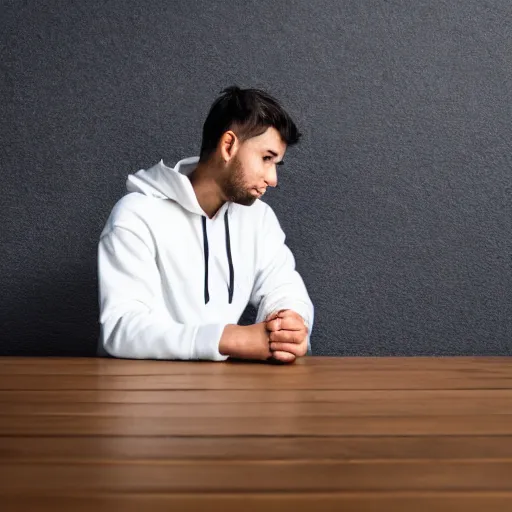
254	167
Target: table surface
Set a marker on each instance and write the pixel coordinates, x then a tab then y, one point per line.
361	434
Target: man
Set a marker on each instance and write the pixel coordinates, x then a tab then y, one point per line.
185	251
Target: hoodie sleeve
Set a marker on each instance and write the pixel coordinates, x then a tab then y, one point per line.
134	320
278	285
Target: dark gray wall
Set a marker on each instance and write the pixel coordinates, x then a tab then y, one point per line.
396	204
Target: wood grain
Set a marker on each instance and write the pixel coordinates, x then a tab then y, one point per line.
268	502
496	425
283	378
365	400
347	403
112	448
256	476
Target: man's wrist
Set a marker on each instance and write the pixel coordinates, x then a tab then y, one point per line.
229	340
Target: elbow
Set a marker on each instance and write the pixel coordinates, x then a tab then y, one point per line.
112	342
111	347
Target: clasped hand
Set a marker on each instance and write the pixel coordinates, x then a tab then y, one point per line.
288	335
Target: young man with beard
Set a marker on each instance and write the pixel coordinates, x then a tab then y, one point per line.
187	248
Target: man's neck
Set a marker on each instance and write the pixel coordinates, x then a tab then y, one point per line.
209	194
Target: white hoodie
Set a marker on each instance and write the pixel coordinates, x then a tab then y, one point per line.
171	279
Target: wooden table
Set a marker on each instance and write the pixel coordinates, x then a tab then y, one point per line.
352	434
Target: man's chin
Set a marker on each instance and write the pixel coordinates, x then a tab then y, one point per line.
245	201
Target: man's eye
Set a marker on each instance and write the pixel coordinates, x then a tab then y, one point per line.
266	158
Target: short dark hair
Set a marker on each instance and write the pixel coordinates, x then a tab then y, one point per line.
248	112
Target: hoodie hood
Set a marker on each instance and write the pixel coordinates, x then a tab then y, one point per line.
165	182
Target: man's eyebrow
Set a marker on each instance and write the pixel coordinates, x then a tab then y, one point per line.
273	153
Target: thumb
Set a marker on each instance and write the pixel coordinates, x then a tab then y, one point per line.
272	316
275	314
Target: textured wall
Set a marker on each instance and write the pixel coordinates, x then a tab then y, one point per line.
396	204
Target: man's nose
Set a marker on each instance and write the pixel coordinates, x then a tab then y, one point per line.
271	177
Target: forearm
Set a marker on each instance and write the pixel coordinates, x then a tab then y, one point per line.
229	344
245	342
141	334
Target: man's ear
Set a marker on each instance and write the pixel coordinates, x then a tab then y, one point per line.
228	145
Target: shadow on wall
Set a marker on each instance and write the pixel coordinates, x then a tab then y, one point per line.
54	315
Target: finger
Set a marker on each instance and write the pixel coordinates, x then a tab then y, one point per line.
284	357
292	323
285	319
287	336
291	320
296	349
288	313
285	324
272	315
274	325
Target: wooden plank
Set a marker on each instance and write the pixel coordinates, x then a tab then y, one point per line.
380	361
257	426
410	405
75	449
281	378
415	399
100	366
270	502
259	476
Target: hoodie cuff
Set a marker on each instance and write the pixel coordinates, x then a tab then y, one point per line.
207	343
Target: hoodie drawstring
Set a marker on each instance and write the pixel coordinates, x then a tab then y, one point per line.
230	261
206	254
